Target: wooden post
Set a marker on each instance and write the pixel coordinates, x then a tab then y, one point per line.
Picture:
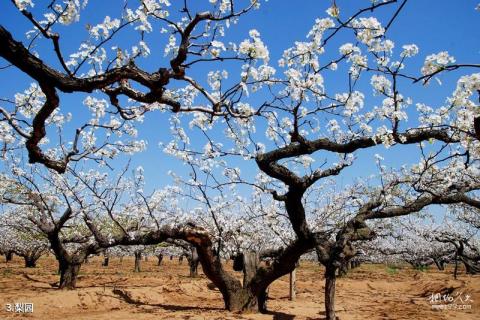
193	261
293	289
456	266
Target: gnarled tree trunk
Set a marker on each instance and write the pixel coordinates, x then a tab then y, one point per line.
246	298
241	300
68	275
30	261
249	296
251	264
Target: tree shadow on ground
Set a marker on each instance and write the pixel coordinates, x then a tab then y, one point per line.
53	285
280	315
127	297
323	314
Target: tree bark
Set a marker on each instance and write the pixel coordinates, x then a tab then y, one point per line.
246	298
440	264
237	296
238	262
470	266
8	256
250	266
262	298
330	279
138	260
240	301
30	261
68	275
342	271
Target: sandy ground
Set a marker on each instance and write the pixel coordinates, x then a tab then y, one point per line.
166	292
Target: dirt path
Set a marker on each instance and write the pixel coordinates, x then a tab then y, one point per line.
369	292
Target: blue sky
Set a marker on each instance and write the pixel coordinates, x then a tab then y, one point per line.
433	25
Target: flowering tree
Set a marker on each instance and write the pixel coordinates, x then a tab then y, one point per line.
411	240
140	219
286	123
422	242
48	204
307	121
463	240
21	238
193	39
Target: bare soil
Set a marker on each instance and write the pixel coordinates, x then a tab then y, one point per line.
166	292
